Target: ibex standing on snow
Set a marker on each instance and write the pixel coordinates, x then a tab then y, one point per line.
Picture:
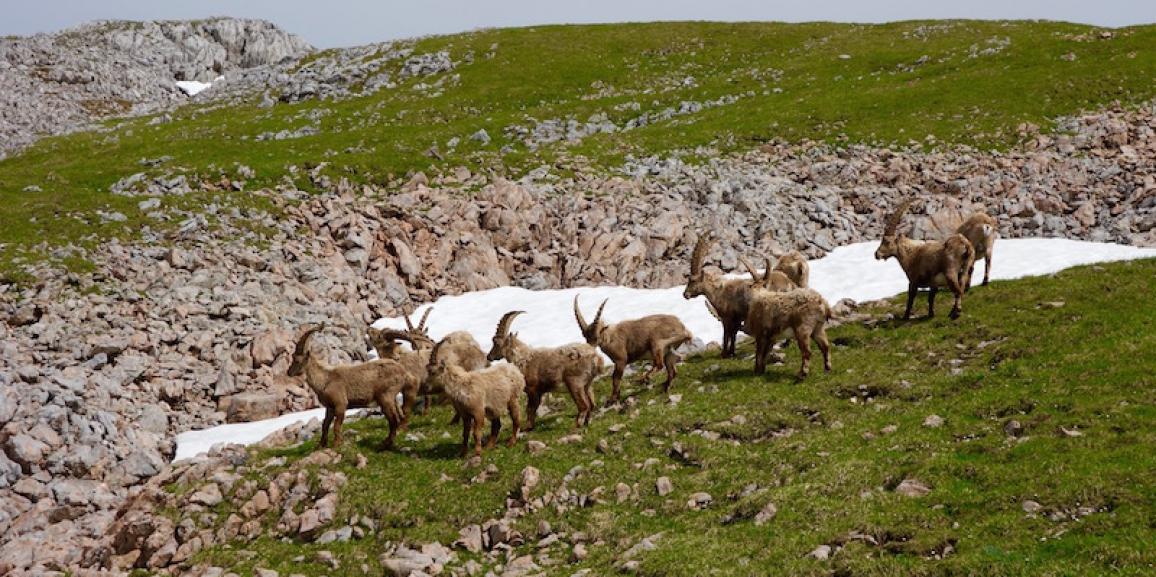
931	264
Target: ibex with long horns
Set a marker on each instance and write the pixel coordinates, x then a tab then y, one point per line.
350	386
575	366
730	298
771	278
931	264
653	337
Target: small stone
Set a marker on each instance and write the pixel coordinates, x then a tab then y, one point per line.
699	500
767	513
579	553
821	553
1031	507
664	486
208	496
933	421
535	447
622	492
1013	428
912	488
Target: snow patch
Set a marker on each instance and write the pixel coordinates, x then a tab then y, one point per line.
192	87
847	272
193	443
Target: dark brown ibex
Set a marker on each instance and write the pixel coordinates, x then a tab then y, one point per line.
931	264
729	297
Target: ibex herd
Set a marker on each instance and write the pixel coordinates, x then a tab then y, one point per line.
763	307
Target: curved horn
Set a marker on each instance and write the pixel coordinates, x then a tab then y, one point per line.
699	254
598	315
394	334
770	267
892	223
424	317
303	340
751	269
408	323
504	324
578	315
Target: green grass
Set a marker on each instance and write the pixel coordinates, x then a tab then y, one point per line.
790	80
824	460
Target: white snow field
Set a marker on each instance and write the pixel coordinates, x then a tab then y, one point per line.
847	272
192	87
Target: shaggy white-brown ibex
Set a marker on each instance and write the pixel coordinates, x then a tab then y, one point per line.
480	395
931	264
729	297
651	337
575	366
804	311
981	230
350	387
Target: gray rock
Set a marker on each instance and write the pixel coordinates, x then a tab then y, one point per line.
664	486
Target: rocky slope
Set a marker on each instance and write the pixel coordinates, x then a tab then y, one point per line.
60	82
176	332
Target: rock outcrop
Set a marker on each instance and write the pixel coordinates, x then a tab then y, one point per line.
59	82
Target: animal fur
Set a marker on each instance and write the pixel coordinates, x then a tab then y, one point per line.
480	395
981	230
804	311
575	366
730	298
350	387
930	264
653	337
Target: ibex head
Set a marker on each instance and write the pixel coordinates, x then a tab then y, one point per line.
695	283
386	341
592	331
302	353
503	340
889	246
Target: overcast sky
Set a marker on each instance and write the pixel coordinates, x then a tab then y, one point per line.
328	23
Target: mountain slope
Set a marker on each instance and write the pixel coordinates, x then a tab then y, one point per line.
1011	442
584	98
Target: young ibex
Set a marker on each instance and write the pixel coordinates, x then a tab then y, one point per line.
772	278
796	267
931	264
652	337
804	311
575	366
480	395
729	297
350	387
981	230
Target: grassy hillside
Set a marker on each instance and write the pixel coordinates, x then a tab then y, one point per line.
1067	356
956	82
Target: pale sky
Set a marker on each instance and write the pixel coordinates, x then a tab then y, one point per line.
330	23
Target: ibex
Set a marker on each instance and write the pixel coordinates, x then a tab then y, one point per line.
387	344
350	387
480	395
729	297
804	311
931	264
796	267
981	230
653	337
575	366
771	279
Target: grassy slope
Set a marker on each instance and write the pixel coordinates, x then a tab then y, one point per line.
1086	366
548	72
